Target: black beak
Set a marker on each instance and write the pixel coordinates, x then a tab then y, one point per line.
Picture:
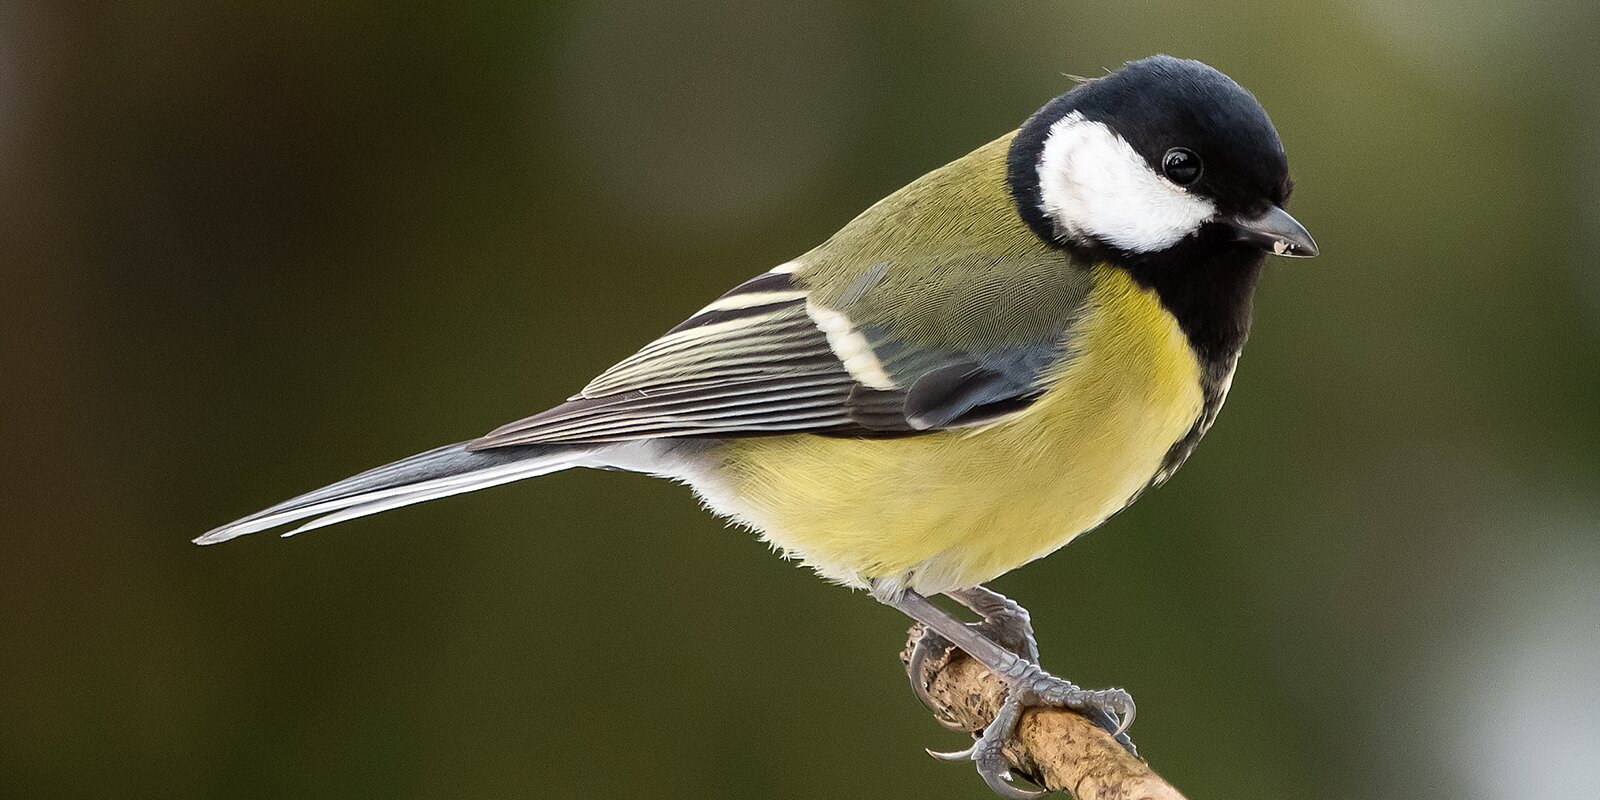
1275	232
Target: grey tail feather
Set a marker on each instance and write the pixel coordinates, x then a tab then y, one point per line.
440	472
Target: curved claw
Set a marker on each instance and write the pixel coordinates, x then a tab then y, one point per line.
987	753
998	783
919	654
1125	716
953	755
1113	704
990	759
1111	709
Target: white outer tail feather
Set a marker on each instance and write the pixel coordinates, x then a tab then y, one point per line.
426	476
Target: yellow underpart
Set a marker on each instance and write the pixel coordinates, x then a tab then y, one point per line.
953	509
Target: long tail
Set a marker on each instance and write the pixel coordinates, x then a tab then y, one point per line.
441	472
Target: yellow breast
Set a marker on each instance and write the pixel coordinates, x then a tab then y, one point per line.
953	509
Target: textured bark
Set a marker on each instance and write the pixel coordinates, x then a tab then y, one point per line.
1055	748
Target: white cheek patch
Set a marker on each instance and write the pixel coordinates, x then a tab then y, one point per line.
1096	186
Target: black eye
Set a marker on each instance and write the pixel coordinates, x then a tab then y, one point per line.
1181	165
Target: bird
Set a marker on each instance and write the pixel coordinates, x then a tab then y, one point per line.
968	375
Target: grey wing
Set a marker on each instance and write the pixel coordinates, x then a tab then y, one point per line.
766	359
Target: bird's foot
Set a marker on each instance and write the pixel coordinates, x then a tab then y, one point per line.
929	644
1003	642
1031	687
1004	622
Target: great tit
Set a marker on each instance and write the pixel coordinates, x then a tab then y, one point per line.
974	371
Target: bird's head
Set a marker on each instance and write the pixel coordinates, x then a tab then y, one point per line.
1162	152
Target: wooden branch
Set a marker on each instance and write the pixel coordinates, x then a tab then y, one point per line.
1055	748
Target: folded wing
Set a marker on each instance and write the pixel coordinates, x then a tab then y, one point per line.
766	358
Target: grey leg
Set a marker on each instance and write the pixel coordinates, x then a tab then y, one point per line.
1028	685
1008	623
1002	621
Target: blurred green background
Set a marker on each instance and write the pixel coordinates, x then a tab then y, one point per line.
249	248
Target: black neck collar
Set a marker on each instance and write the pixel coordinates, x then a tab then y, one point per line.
1207	283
